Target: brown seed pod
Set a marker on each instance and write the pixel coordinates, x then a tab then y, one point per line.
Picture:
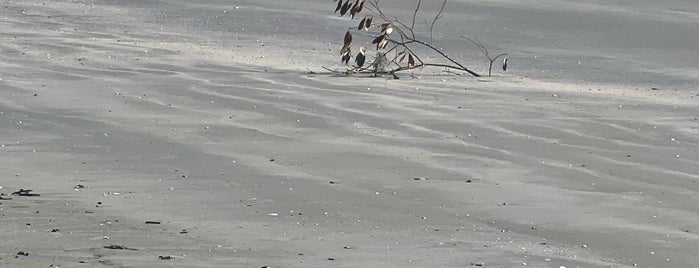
339	6
348	38
367	23
377	39
401	56
383	43
359	6
344	8
382	26
411	61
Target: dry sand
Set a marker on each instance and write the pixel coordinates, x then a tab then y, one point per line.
202	117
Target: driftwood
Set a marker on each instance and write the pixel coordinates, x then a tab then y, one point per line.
395	40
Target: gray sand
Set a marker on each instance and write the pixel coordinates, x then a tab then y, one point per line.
202	116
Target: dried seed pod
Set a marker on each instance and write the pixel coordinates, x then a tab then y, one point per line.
367	23
411	61
348	38
377	39
344	8
355	9
345	50
359	6
361	57
382	26
339	6
401	56
346	58
383	43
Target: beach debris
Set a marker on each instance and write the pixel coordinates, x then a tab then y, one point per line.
406	41
346	50
79	187
2	197
331	259
183	231
119	247
152	222
167	257
273	214
419	179
25	192
55	230
491	59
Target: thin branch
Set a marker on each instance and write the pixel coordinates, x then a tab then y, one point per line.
405	41
436	18
478	44
461	67
417	8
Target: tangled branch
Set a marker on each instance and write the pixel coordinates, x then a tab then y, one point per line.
396	41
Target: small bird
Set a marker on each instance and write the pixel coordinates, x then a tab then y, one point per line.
361	57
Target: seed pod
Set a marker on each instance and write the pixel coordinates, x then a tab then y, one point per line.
411	61
367	23
348	38
339	6
401	56
361	24
344	8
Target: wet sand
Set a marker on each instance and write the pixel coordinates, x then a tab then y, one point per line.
203	120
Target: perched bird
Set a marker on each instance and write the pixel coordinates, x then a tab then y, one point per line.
361	57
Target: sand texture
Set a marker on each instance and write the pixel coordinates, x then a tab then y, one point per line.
206	134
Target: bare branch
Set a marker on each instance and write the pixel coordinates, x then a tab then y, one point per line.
436	18
417	8
483	49
403	41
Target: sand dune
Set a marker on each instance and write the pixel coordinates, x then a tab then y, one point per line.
209	123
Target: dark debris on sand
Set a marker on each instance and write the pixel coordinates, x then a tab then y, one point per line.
24	192
119	247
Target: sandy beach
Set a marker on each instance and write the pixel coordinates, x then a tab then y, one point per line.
178	133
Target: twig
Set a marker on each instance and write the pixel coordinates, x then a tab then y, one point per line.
417	8
436	18
483	49
402	41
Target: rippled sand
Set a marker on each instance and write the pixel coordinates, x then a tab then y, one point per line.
204	117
